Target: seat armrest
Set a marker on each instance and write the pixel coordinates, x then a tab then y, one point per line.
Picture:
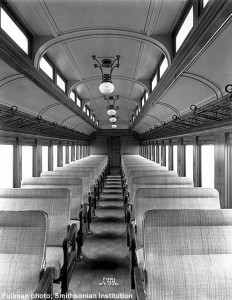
45	285
70	257
124	190
70	236
132	246
83	213
128	209
84	219
131	235
139	290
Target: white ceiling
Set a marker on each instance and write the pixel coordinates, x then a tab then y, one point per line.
79	29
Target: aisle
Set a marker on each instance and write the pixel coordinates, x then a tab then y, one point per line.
104	270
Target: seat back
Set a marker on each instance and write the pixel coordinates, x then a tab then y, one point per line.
22	250
73	184
192	249
147	177
55	202
85	176
172	198
93	169
144	168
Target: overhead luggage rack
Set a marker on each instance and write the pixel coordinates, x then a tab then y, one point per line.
198	118
15	119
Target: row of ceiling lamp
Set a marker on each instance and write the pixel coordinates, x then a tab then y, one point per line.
106	87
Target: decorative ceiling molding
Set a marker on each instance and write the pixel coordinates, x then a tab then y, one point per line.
41	48
5	81
66	119
169	106
48	107
78	125
212	86
151	116
115	77
149	126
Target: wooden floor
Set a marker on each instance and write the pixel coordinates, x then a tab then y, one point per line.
103	272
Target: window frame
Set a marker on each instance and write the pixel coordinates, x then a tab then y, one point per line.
58	73
52	65
88	111
155	73
160	63
78	99
190	4
72	91
19	23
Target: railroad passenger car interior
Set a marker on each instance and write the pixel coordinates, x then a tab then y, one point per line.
116	149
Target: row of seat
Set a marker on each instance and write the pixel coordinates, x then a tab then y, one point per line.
68	195
179	238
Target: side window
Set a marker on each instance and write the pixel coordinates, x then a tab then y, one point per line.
175	158
54	157
6	166
27	161
44	158
64	155
189	161
167	156
207	166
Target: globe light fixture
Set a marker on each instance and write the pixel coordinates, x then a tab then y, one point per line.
114	125
111	108
111	111
106	86
113	119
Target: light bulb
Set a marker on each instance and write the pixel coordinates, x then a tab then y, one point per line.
106	87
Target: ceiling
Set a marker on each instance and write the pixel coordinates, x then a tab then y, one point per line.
69	32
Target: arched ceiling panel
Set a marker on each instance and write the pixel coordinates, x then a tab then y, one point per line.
5	72
137	91
57	113
141	128
151	120
186	92
148	61
64	61
85	128
215	63
160	112
26	96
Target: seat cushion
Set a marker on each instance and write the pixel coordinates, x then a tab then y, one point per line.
55	259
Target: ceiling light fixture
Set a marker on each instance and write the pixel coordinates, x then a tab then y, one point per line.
114	125
111	109
106	86
113	119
